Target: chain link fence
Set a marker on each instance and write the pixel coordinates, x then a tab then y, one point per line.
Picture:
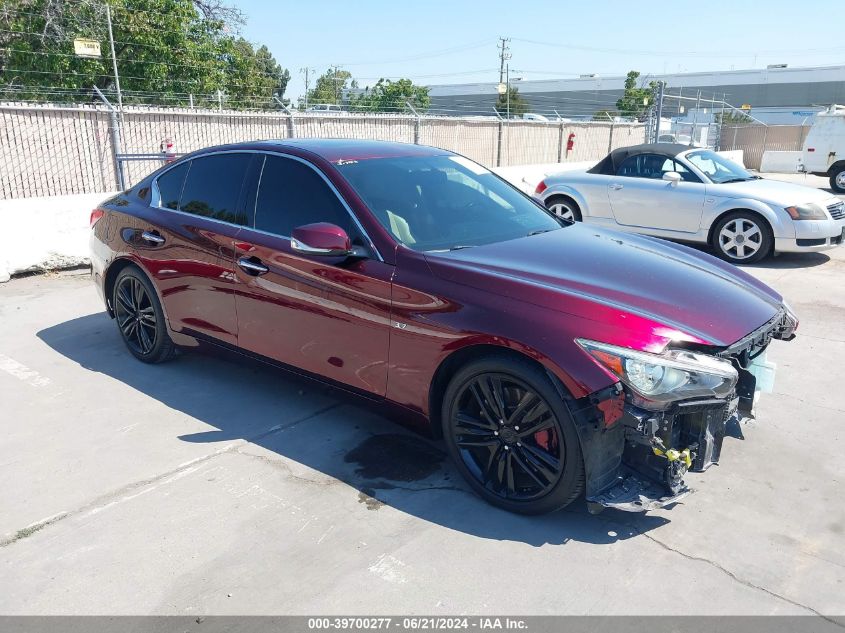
753	140
48	150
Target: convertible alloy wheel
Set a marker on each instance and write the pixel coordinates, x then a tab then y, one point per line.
742	239
564	209
511	436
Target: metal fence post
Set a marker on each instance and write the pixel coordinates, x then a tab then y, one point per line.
610	140
416	123
114	137
499	141
733	145
290	122
560	143
765	136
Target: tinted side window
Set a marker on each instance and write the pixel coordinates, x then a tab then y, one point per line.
170	186
213	187
292	194
645	166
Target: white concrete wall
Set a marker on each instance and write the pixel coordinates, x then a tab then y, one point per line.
526	177
780	162
45	233
736	155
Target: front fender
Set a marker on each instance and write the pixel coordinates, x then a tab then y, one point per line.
781	225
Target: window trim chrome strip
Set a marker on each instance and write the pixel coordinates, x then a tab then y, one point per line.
155	197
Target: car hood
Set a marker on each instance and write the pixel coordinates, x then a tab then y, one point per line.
606	275
775	192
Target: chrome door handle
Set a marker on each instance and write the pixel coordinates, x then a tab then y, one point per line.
616	186
252	267
152	238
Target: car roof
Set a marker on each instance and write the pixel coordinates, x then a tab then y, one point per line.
610	163
335	149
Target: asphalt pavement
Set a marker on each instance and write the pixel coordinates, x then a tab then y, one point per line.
208	486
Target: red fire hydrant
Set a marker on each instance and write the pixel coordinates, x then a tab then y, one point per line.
570	143
168	151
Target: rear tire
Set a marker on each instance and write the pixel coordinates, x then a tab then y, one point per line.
140	318
742	237
837	179
564	208
510	435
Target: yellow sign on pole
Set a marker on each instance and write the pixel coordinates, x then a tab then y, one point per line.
745	106
86	48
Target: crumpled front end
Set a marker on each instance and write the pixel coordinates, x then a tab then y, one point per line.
637	454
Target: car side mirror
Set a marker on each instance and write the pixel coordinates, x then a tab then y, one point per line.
672	177
321	239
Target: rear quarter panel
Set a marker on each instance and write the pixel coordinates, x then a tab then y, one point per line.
588	190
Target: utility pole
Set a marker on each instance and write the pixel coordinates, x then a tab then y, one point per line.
306	71
504	55
114	61
660	87
336	67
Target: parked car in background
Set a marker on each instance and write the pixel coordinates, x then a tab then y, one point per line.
695	195
824	148
553	358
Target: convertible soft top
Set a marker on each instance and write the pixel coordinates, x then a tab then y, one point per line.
610	163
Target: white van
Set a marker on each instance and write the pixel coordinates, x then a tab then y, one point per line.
824	148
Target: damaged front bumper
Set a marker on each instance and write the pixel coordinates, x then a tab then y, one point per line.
636	459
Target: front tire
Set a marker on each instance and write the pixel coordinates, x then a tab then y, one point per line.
140	318
742	237
564	208
511	436
837	179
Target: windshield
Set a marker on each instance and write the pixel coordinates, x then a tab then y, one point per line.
440	203
717	168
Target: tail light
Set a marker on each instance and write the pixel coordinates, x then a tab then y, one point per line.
541	187
96	214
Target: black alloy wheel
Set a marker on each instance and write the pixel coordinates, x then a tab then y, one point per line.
140	318
512	437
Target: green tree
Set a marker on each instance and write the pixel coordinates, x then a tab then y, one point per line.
392	96
165	51
511	102
731	117
635	100
329	87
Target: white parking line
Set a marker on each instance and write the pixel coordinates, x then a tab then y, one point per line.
22	372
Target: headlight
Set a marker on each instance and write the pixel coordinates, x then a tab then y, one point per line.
808	211
657	380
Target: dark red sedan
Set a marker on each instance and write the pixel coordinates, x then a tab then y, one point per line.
552	358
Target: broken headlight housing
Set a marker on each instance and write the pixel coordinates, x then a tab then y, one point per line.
655	381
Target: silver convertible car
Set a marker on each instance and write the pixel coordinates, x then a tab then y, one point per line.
695	195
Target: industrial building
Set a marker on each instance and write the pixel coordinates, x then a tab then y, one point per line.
776	94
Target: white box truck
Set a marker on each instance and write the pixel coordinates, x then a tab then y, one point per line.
824	149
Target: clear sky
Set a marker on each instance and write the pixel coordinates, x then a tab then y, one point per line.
454	41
